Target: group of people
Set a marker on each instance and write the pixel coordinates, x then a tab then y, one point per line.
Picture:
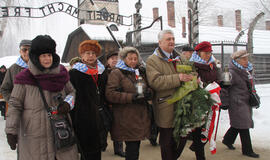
125	88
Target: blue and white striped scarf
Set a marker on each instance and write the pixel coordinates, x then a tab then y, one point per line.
177	58
249	68
121	65
21	62
196	58
83	67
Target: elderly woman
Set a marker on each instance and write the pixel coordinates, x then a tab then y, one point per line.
208	73
131	120
237	100
88	78
28	123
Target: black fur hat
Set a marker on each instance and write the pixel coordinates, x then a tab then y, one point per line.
40	45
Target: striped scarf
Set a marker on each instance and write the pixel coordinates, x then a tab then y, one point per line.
84	69
249	68
122	65
21	62
196	58
165	58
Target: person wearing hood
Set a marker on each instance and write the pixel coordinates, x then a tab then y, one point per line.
131	120
28	127
89	79
236	98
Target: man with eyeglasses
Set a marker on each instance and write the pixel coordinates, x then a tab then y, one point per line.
18	66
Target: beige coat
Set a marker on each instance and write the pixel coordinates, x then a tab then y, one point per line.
164	80
26	110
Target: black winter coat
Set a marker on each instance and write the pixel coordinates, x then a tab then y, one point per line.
85	116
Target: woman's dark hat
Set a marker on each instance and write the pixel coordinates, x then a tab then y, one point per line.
40	45
112	54
187	48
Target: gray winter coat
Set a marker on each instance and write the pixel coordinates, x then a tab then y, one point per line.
27	118
237	98
7	85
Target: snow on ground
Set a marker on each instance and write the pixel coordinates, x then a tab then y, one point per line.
259	135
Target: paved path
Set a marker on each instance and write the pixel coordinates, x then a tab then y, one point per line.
148	152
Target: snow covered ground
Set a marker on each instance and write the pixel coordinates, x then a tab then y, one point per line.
259	135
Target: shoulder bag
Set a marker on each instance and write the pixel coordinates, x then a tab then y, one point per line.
63	133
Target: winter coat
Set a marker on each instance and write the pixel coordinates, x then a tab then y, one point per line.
207	73
7	85
164	80
131	121
85	116
27	110
237	98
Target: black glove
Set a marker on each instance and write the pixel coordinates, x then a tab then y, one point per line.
12	140
148	94
63	108
138	100
224	107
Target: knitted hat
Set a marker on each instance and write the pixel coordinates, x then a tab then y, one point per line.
40	45
90	45
187	48
204	46
25	42
239	54
111	54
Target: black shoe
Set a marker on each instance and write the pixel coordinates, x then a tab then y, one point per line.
120	153
252	154
230	146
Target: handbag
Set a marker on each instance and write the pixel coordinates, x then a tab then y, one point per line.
63	133
254	99
106	116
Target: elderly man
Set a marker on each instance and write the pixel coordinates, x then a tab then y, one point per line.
164	80
17	67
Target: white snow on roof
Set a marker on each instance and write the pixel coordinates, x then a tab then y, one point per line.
100	32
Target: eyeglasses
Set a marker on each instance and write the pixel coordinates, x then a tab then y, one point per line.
25	49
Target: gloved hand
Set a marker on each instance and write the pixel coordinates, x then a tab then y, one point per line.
138	100
148	94
224	107
63	108
12	140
